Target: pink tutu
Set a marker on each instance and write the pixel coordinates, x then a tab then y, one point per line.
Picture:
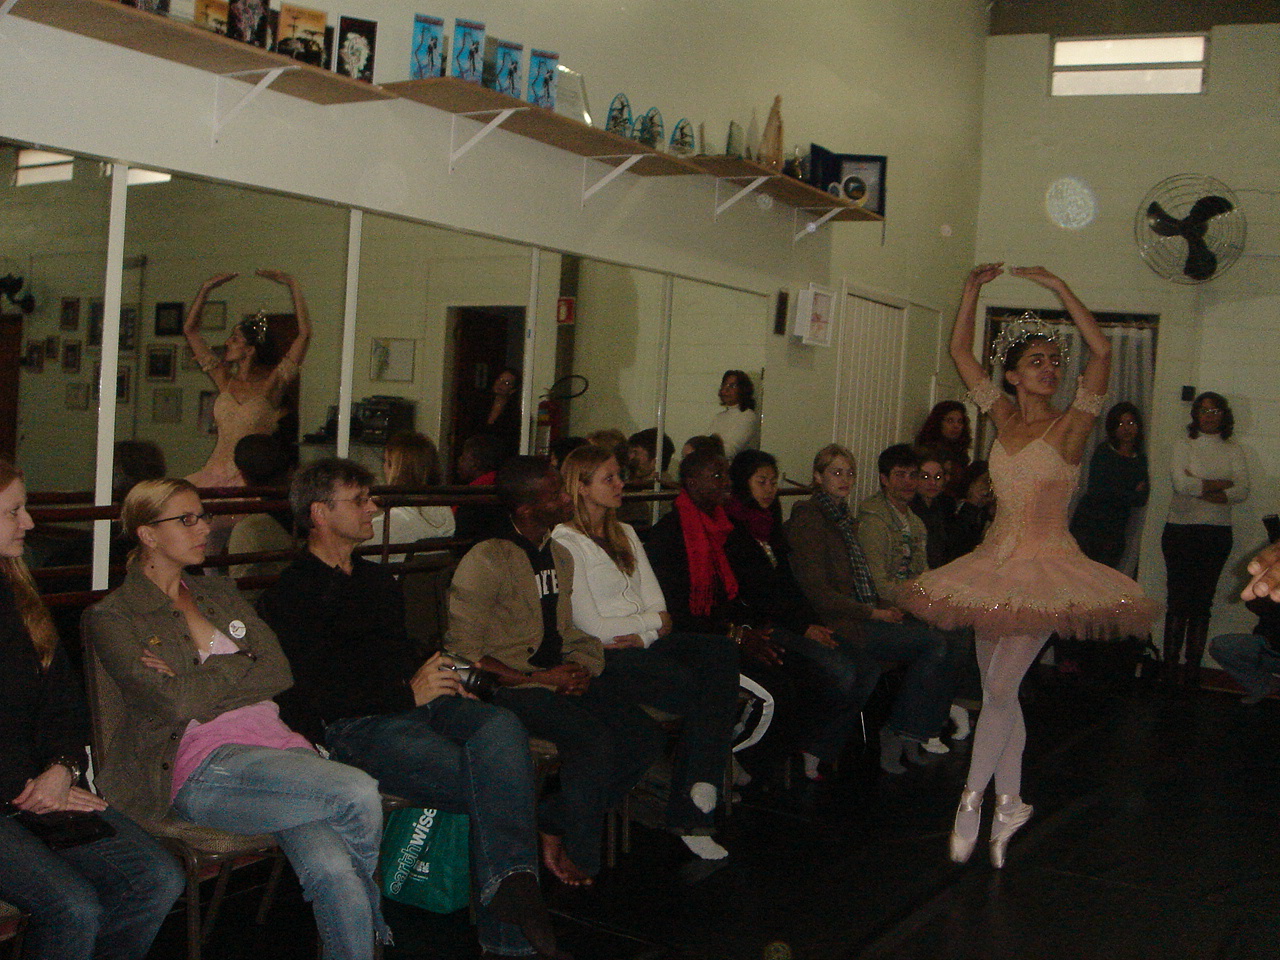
1028	576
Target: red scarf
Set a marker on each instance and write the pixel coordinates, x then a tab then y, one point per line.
704	537
757	520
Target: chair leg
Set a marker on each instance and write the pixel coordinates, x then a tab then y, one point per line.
193	913
611	838
626	824
215	902
269	895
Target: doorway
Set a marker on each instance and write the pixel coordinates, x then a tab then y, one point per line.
10	361
484	341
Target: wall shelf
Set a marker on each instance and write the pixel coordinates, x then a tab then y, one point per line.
161	36
784	189
538	123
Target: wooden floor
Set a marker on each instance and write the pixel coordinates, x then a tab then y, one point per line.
1155	836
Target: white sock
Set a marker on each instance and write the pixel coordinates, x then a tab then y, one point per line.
703	796
810	766
705	847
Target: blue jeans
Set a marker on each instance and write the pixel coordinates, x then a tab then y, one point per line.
605	742
920	708
466	757
1248	659
696	677
104	899
841	685
327	818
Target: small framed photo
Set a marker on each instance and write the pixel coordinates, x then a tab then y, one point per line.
52	347
162	363
204	415
391	360
214	316
166	405
128	329
33	359
189	361
124	384
77	396
95	323
71	356
169	318
69	319
815	316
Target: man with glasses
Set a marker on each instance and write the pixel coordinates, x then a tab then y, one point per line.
362	690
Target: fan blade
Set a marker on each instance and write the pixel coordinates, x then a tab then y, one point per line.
1206	208
1202	263
1161	222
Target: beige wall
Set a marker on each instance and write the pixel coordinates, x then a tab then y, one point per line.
1215	336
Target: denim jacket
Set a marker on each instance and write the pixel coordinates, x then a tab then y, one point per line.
143	718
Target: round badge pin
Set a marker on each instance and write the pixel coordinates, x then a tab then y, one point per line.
236	629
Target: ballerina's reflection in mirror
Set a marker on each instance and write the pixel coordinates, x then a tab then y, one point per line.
251	377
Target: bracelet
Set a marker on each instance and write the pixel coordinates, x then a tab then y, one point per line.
74	766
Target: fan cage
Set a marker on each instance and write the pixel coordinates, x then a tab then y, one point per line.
1166	256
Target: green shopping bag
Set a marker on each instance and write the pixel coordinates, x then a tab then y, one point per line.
426	859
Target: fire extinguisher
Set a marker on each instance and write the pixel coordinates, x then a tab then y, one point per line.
549	424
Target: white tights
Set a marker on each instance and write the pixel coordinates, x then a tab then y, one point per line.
1001	736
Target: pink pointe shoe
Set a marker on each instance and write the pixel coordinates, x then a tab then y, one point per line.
1011	814
961	847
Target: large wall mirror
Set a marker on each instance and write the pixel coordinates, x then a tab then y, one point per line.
53	252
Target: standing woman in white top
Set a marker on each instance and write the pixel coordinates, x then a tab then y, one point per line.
738	424
1209	474
616	597
411	460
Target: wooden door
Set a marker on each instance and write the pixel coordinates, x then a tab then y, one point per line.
486	339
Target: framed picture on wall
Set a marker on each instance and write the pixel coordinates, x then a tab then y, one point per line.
214	315
77	396
52	347
391	360
124	384
169	318
33	359
69	319
95	323
189	361
71	356
162	362
815	316
166	405
128	328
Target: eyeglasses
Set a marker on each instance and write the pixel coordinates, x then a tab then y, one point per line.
361	501
186	519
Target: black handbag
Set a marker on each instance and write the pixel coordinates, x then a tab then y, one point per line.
64	828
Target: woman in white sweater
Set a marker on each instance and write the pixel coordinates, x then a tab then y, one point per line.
1209	474
616	598
738	424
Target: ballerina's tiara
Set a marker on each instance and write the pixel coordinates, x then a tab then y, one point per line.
255	329
1023	328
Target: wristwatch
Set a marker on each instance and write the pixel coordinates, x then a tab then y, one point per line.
74	765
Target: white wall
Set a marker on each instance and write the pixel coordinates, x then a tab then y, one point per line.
1214	336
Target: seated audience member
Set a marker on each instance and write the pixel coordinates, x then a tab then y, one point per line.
200	737
643	475
411	460
478	464
562	447
362	689
264	462
615	441
701	442
936	509
975	509
617	598
757	551
946	431
103	898
832	570
895	542
135	461
1253	659
510	612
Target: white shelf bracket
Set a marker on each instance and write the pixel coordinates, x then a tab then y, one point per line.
456	152
754	185
267	78
629	160
5	7
812	227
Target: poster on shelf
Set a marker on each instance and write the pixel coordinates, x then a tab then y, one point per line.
542	78
357	42
468	50
212	15
502	59
249	21
301	33
427	53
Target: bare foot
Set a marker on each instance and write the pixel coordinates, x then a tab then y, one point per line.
557	861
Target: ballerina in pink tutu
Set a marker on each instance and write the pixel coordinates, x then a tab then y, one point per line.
1028	578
